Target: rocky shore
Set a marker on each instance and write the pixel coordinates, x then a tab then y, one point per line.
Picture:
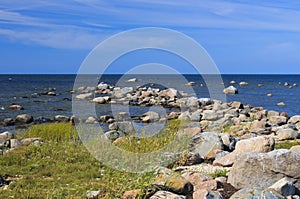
231	151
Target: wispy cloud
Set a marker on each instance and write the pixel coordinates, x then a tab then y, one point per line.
83	23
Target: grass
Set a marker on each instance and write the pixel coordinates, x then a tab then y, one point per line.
63	168
286	144
219	173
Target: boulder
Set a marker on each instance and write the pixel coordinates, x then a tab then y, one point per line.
102	86
243	83
126	127
284	187
91	120
296	148
150	116
28	141
230	90
264	169
15	107
8	122
257	144
205	194
99	100
14	143
170	93
122	92
287	134
277	120
113	135
132	80
294	120
24	119
61	118
166	194
255	193
84	96
6	136
212	115
170	180
206	143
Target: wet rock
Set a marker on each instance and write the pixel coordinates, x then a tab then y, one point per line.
15	107
230	90
232	82
287	134
51	93
264	169
8	122
269	94
281	104
99	100
243	83
84	96
170	180
24	119
166	194
132	80
61	118
91	120
190	84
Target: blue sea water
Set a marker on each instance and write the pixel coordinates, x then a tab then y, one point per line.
21	89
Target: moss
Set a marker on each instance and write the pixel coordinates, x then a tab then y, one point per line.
286	144
219	173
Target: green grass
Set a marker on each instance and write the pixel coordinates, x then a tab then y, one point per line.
219	173
286	144
63	168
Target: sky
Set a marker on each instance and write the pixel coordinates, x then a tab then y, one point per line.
242	37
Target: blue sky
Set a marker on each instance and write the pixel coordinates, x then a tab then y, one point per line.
46	36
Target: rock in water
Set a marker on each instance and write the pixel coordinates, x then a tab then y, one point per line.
24	119
230	90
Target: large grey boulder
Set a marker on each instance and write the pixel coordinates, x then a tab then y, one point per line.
287	134
264	169
206	143
256	193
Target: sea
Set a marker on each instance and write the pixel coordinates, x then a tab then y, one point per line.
29	91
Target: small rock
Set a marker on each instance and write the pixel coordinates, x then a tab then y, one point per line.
132	194
294	120
61	118
150	116
92	194
132	80
205	194
28	141
190	84
8	122
230	90
169	180
24	119
15	107
6	136
281	104
232	82
99	100
84	96
269	94
51	93
166	195
14	143
243	83
284	187
91	120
